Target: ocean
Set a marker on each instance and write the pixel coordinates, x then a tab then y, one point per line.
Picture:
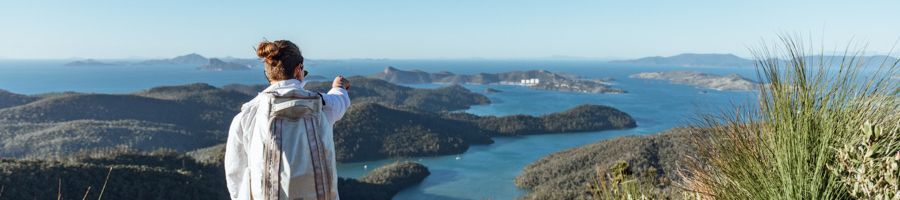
482	172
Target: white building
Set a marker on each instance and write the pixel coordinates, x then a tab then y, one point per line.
530	82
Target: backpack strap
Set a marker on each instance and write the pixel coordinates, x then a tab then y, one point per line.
295	105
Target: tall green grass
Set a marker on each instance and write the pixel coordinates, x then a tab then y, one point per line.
787	146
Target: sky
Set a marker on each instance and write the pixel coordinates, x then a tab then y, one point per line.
417	29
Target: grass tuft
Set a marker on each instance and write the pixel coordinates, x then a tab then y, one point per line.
788	146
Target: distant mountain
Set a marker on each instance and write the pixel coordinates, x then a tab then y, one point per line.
193	59
91	62
702	80
656	158
219	65
730	60
868	61
539	79
691	60
189	59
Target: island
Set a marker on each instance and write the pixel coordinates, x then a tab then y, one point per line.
690	60
188	59
192	59
538	79
218	65
731	60
732	82
383	182
90	62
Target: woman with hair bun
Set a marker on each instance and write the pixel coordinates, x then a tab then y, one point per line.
281	146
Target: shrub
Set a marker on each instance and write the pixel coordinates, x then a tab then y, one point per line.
869	166
784	147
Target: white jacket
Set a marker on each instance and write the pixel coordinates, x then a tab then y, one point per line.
269	157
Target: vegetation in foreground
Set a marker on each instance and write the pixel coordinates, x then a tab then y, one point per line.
804	139
823	129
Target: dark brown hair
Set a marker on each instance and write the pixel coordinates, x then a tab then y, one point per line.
281	58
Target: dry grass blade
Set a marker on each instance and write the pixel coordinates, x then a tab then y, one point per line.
86	192
104	184
58	189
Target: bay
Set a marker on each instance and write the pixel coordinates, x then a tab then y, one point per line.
482	172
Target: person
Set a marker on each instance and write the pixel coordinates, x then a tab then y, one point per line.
280	145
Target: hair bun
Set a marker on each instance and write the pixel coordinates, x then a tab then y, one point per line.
267	50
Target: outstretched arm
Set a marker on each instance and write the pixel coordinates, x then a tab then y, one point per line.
337	101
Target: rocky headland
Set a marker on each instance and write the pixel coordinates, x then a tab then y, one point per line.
702	80
538	79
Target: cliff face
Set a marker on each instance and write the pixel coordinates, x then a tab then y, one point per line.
538	79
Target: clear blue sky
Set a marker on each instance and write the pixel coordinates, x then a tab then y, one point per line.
431	29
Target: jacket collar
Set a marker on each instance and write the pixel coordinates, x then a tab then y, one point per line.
290	83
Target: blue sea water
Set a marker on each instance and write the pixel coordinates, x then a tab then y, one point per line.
482	172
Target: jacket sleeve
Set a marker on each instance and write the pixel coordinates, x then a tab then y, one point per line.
336	103
235	159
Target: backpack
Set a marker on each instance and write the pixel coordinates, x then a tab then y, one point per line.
298	163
